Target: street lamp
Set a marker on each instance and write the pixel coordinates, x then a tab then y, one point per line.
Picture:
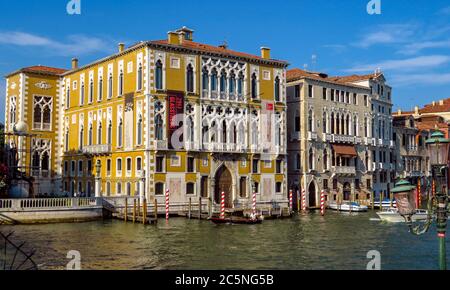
438	151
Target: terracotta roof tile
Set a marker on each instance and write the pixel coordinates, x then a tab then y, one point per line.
355	78
440	106
40	69
210	48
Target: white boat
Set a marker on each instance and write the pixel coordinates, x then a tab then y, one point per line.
348	206
391	215
386	204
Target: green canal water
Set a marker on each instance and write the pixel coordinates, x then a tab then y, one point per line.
336	241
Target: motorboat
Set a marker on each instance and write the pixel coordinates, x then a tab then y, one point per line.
348	206
386	203
391	215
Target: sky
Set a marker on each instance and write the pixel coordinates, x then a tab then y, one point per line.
409	41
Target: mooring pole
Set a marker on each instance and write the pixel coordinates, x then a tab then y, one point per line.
126	208
189	208
200	208
134	211
155	210
144	211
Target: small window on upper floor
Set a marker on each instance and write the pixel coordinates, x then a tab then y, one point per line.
310	91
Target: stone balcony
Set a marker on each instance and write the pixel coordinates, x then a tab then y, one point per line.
312	136
344	170
161	145
100	149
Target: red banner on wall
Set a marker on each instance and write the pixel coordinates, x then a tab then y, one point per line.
176	107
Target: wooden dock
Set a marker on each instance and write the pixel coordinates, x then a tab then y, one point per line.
136	219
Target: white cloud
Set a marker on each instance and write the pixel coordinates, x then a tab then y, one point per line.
445	10
387	34
421	79
416	47
421	62
74	45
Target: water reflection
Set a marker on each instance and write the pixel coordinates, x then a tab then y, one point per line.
336	241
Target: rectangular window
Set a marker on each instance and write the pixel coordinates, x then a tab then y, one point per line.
190	188
297	91
190	164
255	168
108	167
324	93
279	166
80	167
278	187
355	99
243	186
159	164
366	101
332	95
310	91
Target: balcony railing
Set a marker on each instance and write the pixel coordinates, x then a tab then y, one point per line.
41	126
344	170
161	145
97	149
312	136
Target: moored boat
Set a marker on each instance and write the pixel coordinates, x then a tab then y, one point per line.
386	203
348	206
391	215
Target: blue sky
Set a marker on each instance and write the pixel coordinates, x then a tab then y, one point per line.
409	41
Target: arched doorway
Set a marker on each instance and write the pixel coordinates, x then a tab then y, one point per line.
347	191
223	184
312	195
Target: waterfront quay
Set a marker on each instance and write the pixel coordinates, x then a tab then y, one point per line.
305	241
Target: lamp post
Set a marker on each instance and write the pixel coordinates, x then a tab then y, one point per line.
438	150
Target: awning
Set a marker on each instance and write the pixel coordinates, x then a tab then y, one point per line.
345	150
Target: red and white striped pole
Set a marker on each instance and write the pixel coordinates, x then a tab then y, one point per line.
254	206
303	200
322	203
167	204
222	206
290	200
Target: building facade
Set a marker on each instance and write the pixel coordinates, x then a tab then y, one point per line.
176	115
413	162
338	140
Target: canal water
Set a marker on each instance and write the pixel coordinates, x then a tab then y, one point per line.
336	241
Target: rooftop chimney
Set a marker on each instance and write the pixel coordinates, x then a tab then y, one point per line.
265	52
441	102
121	47
399	112
174	38
186	33
416	110
74	63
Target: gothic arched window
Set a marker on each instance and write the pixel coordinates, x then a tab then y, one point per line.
254	86
139	77
277	89
159	127
159	75
190	79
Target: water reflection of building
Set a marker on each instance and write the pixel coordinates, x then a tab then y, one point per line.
119	111
340	135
